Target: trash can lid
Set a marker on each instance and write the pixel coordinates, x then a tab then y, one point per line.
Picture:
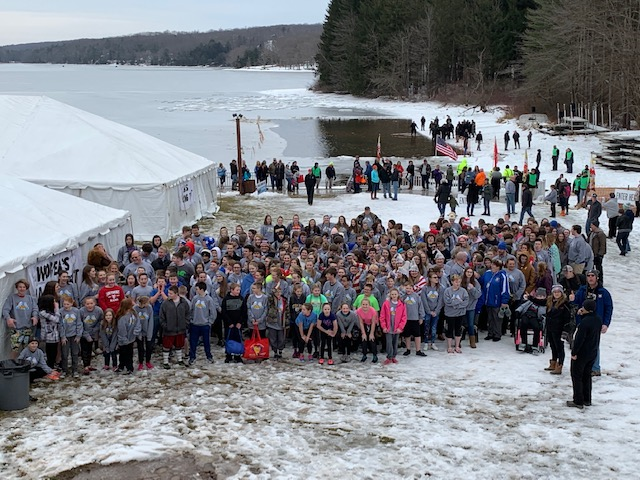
12	365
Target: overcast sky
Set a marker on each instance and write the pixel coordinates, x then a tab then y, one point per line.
25	21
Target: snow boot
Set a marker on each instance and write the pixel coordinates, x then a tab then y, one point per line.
557	370
552	366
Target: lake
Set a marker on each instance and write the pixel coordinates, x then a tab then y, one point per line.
193	107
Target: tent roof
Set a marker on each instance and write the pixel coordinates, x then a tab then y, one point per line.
38	222
57	145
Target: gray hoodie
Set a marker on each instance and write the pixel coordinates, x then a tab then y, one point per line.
334	294
128	329
474	294
109	338
37	359
432	299
145	316
91	322
22	309
346	322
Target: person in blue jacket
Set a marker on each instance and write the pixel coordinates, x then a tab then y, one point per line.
496	296
594	290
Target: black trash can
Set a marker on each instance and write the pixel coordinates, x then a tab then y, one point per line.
14	384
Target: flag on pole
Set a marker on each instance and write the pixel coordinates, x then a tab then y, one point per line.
445	149
525	169
592	172
378	149
495	152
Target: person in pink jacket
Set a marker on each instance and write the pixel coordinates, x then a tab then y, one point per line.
393	318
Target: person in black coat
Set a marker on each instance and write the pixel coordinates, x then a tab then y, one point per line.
558	320
442	196
584	353
527	203
310	183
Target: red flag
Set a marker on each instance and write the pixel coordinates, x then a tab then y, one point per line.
525	169
378	149
445	149
495	152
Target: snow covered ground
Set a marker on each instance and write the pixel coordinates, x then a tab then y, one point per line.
488	413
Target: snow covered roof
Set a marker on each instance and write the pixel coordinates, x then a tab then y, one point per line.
38	222
61	146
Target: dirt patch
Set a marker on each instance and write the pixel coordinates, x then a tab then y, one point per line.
182	467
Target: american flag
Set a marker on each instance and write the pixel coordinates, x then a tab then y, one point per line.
445	149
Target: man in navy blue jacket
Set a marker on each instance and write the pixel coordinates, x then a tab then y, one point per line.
604	307
496	296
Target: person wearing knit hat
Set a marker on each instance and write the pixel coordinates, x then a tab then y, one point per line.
584	354
531	313
558	317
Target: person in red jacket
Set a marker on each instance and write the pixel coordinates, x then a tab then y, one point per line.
393	318
111	294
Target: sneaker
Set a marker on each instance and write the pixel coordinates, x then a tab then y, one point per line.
315	355
364	358
191	361
388	361
32	399
311	357
76	375
330	361
149	366
488	337
140	367
321	361
210	360
106	367
182	364
166	366
375	359
301	358
394	360
570	403
63	374
296	355
420	353
407	353
496	339
128	372
86	371
433	347
92	369
596	373
237	359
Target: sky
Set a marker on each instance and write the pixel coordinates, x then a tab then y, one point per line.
44	20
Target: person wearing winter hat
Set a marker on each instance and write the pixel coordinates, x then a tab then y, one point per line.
558	318
584	354
531	313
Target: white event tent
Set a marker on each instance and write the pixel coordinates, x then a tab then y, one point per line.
61	147
44	230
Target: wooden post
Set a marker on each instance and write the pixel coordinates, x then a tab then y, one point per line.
239	146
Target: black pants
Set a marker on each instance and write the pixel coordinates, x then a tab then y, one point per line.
527	323
86	351
310	196
126	357
110	357
613	227
346	346
557	346
621	241
36	373
326	342
581	379
553	210
425	181
141	344
311	345
51	350
454	326
368	345
554	160
597	264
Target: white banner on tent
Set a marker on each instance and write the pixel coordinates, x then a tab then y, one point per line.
186	195
46	270
625	196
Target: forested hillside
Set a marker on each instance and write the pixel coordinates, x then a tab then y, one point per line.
278	44
539	51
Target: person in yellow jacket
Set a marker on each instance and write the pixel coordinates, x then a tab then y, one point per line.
507	173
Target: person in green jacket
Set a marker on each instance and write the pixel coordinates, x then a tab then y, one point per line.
317	172
568	160
555	153
584	185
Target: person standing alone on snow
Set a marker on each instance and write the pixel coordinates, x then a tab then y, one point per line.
310	183
584	354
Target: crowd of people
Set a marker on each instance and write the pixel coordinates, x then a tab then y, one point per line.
321	287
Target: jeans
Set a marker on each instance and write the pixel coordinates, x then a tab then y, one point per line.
523	211
195	332
470	207
75	351
511	203
471	322
487	205
430	327
596	362
442	208
622	240
386	189
396	185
